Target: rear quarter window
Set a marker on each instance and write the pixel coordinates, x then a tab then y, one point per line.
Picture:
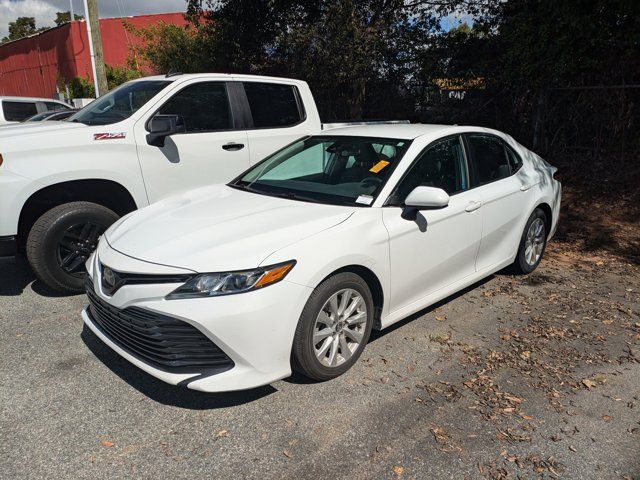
273	105
18	111
54	106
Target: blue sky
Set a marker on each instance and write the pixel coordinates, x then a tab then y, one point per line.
454	19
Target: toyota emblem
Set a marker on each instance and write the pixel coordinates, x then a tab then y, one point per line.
109	277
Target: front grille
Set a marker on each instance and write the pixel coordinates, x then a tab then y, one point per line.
164	342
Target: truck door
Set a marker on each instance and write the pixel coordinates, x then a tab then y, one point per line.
212	149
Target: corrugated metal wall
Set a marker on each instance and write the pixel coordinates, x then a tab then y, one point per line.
32	66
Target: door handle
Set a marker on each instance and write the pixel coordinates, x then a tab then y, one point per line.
473	206
524	188
232	146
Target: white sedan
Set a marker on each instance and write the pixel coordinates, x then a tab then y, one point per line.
293	263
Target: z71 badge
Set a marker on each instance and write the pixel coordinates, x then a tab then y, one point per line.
109	136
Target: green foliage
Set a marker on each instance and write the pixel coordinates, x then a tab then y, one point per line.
64	17
21	27
170	47
516	62
119	75
81	87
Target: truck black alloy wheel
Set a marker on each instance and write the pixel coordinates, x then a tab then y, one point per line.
76	246
61	241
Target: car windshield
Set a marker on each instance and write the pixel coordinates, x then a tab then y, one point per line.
345	170
120	103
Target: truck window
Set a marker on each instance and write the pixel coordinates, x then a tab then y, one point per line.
54	106
18	111
272	104
203	106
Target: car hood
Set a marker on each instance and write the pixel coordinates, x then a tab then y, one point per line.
219	228
13	129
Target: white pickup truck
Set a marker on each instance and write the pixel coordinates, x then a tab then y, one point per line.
63	183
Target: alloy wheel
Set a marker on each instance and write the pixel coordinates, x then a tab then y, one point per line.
534	242
340	327
76	245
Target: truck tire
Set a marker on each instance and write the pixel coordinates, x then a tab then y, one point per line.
62	239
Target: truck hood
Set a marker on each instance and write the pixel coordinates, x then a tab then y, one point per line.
10	130
218	228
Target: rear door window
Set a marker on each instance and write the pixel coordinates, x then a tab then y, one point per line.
18	111
273	105
489	155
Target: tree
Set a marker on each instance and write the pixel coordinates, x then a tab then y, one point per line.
21	27
64	17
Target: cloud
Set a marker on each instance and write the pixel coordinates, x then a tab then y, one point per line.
45	10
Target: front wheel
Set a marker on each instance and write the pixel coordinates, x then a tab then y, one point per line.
532	243
334	327
61	241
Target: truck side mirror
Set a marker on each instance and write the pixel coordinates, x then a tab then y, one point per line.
161	126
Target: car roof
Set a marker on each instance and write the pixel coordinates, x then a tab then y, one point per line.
404	131
31	99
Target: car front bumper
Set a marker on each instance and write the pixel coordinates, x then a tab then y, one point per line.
254	329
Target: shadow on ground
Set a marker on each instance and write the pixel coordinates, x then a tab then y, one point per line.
16	276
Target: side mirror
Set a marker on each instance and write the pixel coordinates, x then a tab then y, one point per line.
161	126
423	198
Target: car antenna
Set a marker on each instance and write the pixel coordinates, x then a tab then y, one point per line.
172	73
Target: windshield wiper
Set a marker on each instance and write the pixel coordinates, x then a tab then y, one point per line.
244	188
287	195
294	196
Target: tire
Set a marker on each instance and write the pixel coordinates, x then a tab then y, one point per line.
58	245
527	260
358	325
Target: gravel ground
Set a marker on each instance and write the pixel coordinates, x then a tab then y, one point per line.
516	377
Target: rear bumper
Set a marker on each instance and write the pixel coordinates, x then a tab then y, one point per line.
8	246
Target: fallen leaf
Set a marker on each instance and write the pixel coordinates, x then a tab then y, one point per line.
287	453
398	470
106	443
440	318
588	383
222	433
606	418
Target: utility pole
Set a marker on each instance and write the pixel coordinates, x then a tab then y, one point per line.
95	47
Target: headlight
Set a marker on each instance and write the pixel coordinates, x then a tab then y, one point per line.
229	283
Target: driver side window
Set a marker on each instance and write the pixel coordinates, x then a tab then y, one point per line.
204	107
441	165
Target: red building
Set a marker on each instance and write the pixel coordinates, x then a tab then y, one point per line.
33	65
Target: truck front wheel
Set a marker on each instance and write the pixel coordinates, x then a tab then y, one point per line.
61	241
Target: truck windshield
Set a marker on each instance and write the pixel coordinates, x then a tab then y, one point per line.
345	170
119	104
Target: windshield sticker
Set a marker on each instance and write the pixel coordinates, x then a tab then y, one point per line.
364	199
379	166
109	136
